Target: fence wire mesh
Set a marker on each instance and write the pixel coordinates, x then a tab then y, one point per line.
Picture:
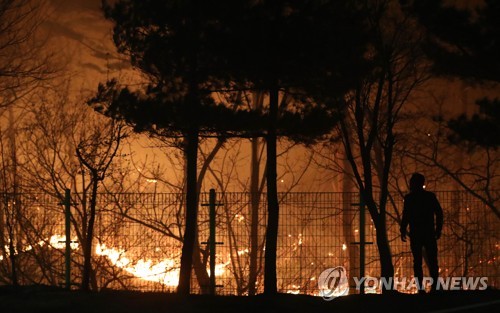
138	240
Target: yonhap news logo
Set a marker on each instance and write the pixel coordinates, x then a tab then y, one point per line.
333	283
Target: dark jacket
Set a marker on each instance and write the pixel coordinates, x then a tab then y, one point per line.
419	209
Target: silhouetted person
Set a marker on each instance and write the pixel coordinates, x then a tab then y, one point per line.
420	207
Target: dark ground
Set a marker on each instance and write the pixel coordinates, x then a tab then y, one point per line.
46	299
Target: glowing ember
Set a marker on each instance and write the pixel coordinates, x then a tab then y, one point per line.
240	218
294	289
242	252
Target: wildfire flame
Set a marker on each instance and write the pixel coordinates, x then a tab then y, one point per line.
165	272
59	242
54	242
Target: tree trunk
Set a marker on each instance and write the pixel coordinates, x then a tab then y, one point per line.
348	215
200	268
12	252
254	217
191	213
384	250
15	205
3	251
255	192
270	280
87	251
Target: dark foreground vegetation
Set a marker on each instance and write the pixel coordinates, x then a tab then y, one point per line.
50	299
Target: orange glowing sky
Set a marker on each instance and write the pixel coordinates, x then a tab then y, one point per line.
81	39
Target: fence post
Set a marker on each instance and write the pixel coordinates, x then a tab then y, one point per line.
212	243
67	255
362	240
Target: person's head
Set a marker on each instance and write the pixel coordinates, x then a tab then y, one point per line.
417	182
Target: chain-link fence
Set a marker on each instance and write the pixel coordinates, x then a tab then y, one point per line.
138	240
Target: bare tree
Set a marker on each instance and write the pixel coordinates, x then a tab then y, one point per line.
96	153
11	206
241	220
473	168
24	62
171	176
369	131
66	145
24	66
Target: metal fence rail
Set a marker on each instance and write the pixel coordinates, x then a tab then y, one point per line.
139	237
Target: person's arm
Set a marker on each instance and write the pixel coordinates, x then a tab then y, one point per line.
404	221
439	217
